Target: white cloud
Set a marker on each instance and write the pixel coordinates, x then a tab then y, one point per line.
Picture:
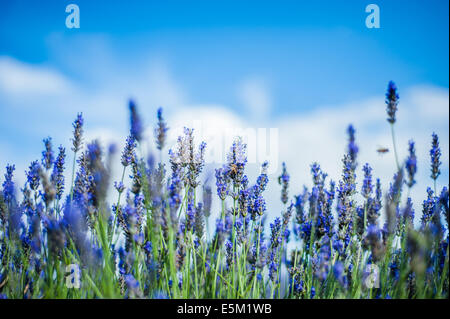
19	78
255	96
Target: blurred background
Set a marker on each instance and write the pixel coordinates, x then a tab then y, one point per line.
305	68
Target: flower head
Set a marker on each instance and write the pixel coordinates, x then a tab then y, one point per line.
273	267
134	290
338	271
429	206
222	183
391	101
160	131
411	164
408	212
444	202
127	154
352	147
276	235
135	121
185	160
283	180
77	132
8	184
57	177
33	175
367	187
435	154
47	154
236	160
229	254
262	179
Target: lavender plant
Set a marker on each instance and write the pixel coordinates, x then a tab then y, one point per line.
154	241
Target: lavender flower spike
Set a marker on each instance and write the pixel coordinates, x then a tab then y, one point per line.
367	186
161	131
47	155
135	122
391	102
57	177
8	184
77	133
283	180
127	154
435	154
411	164
33	175
352	147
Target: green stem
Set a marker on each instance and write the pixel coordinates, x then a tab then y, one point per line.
395	147
73	175
118	206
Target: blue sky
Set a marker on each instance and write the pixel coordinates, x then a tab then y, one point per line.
261	63
312	53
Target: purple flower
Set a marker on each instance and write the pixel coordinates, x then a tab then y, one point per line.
222	183
134	290
57	177
408	212
47	154
236	161
33	175
243	201
345	203
119	186
273	267
391	102
411	164
55	235
444	202
283	180
8	184
128	151
313	292
190	216
352	147
258	206
229	254
137	128
262	179
318	175
338	271
429	205
395	188
160	131
367	186
186	161
77	133
435	154
276	238
300	202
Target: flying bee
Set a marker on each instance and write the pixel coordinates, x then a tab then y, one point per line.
233	169
382	150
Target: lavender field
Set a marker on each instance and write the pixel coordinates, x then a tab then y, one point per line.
64	237
234	157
